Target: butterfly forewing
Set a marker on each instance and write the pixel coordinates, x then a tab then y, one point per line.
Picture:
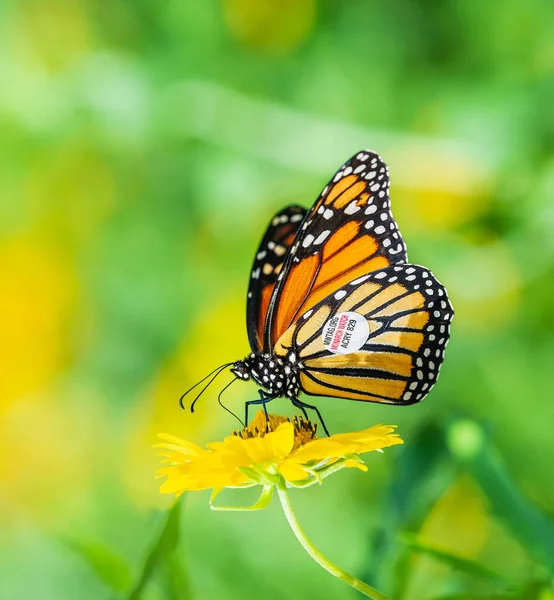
267	265
395	325
349	232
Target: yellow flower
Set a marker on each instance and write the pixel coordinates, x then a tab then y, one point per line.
275	453
266	453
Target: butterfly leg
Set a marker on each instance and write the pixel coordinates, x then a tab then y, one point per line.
303	411
302	406
263	401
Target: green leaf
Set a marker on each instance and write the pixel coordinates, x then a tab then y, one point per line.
416	467
464	596
110	568
176	581
531	591
454	560
162	548
528	523
422	474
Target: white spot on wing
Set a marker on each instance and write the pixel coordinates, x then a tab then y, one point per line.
359	280
322	236
370	209
307	241
352	208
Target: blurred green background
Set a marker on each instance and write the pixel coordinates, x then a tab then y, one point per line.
144	148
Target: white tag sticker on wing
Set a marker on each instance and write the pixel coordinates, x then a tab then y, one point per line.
345	332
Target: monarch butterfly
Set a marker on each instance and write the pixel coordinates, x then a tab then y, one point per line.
334	308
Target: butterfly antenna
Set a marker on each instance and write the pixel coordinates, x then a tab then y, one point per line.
181	404
221	369
223	405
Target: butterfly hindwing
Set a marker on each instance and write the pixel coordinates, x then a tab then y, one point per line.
267	265
348	232
395	358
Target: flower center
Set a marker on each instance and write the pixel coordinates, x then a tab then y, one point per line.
304	431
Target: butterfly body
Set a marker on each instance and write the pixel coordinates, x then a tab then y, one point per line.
278	376
334	307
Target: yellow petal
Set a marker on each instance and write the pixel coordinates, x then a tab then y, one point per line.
371	437
220	465
320	449
281	440
271	448
342	444
292	471
213	470
178	445
355	464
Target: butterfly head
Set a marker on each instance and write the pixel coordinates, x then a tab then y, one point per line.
242	369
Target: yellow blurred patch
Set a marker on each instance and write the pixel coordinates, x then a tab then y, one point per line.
37	291
485	287
51	34
449	191
217	336
72	191
447	210
272	25
458	522
459	519
48	450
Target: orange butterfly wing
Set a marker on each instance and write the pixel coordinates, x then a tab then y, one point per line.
268	263
349	232
398	358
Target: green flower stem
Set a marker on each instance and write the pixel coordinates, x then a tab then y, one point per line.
362	587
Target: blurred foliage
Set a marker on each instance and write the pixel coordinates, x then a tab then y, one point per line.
144	147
